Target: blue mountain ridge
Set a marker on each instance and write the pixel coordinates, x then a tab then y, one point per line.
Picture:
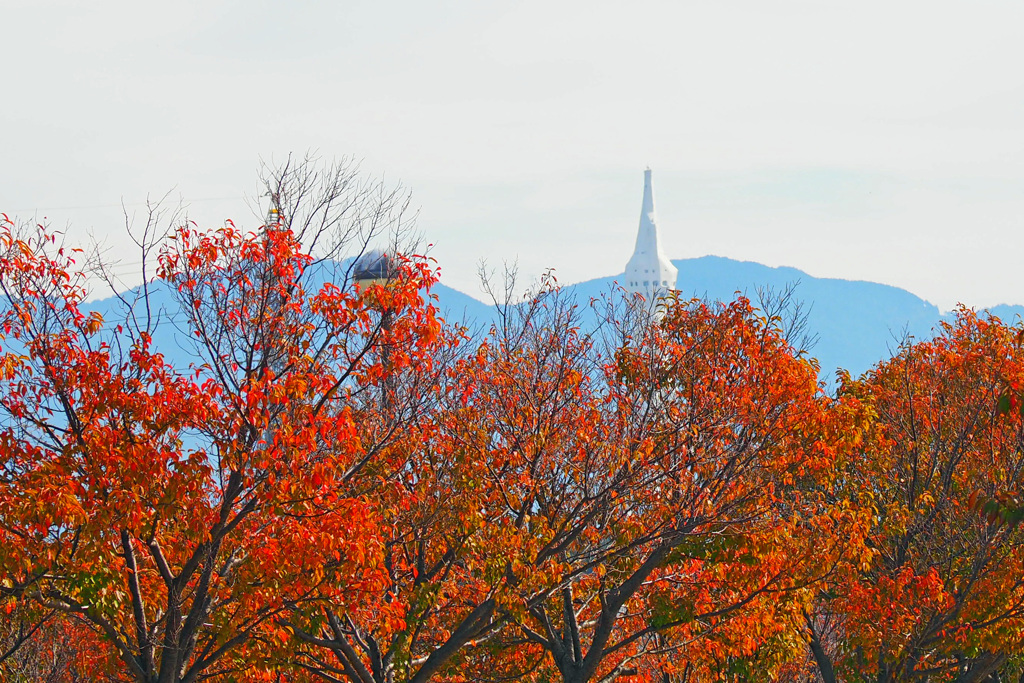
857	323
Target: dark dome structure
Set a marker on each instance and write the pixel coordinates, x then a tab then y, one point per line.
373	267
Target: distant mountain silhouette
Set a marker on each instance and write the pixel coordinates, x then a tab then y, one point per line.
857	323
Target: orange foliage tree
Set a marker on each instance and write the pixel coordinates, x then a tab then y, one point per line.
585	508
942	597
690	464
439	597
462	552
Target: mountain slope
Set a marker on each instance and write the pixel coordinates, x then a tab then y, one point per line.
858	323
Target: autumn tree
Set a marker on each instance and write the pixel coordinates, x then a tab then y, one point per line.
715	440
578	461
456	556
182	511
437	598
48	648
942	598
437	549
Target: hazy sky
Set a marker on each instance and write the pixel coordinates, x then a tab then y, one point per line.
864	140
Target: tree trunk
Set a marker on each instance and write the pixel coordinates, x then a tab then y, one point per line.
821	658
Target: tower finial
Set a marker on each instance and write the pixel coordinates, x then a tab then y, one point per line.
648	203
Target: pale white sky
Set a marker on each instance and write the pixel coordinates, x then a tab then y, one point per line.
877	140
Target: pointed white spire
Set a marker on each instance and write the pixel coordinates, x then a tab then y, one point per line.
649	271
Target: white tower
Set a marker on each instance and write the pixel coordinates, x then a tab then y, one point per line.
649	272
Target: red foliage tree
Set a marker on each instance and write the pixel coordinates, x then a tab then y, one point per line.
183	511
